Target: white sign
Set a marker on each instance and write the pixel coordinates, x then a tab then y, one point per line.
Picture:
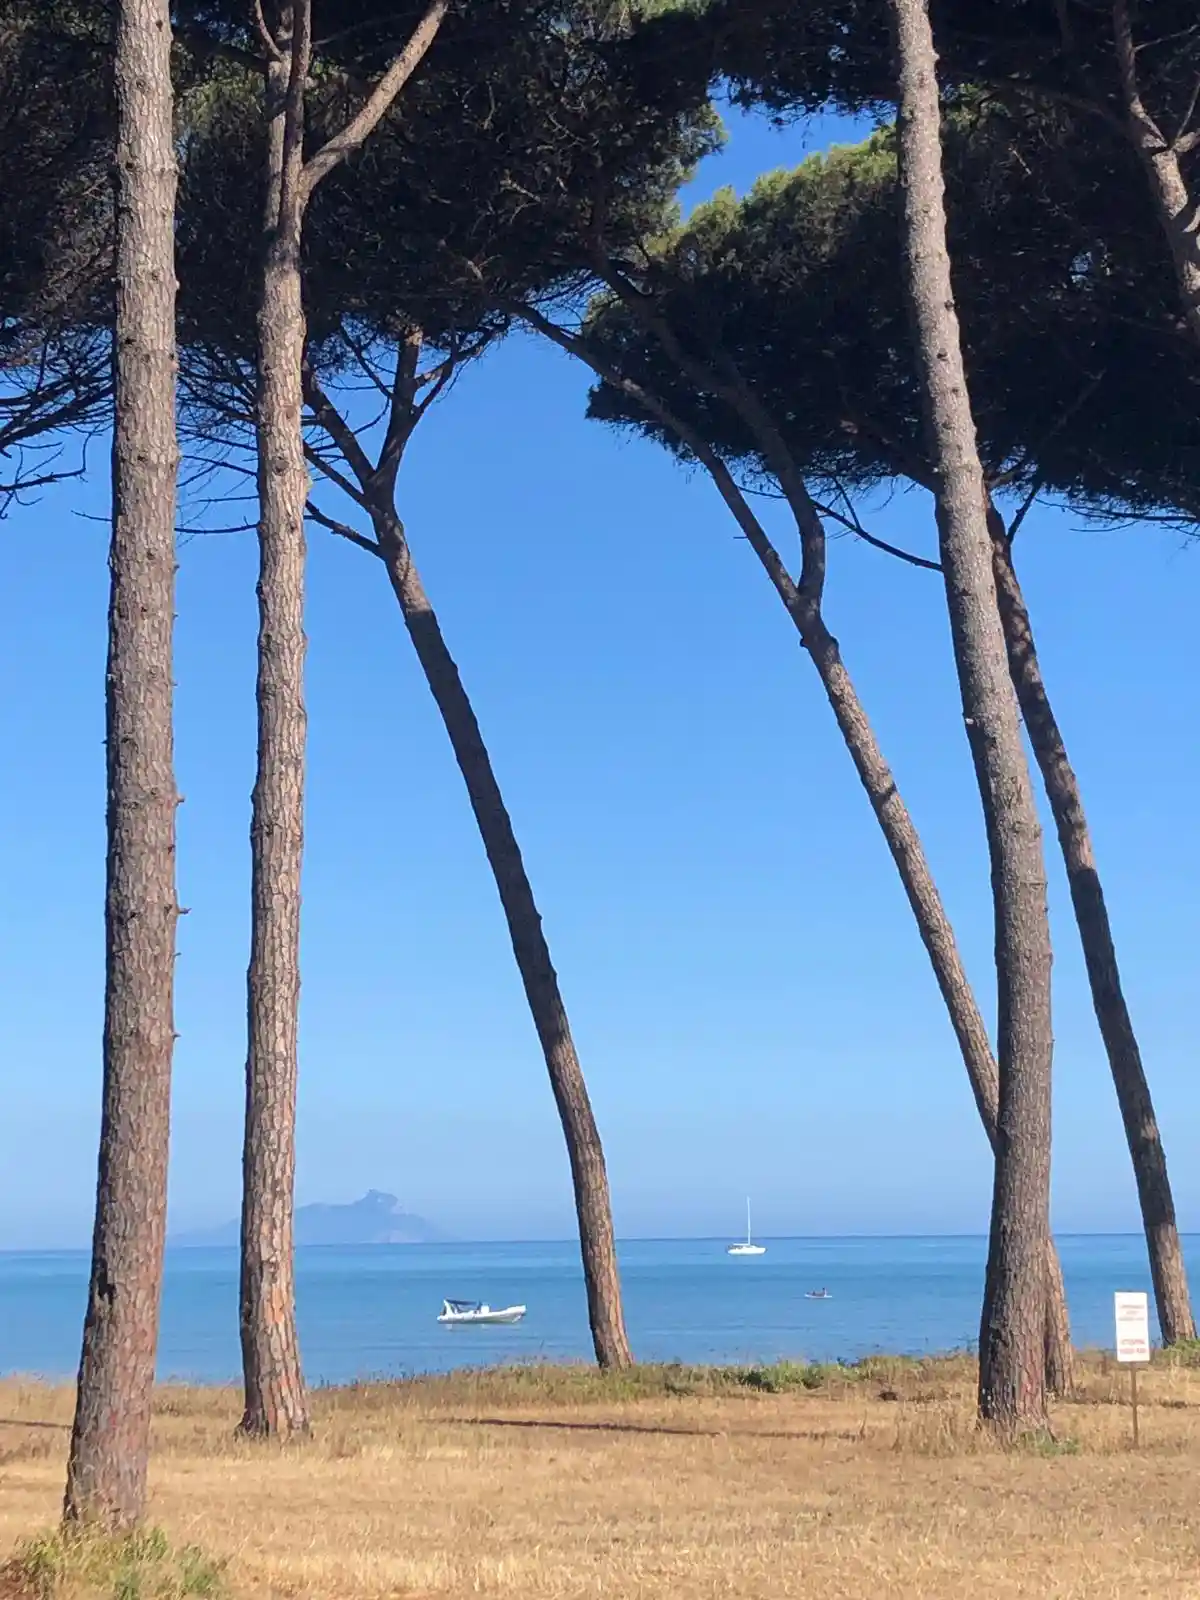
1133	1327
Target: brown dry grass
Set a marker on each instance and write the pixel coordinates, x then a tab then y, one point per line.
559	1485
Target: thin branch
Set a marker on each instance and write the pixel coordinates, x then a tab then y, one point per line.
339	430
1180	143
403	415
11	493
343	530
40	480
328	470
342	144
199	41
717	469
440	376
1024	509
358	350
190	532
855	527
269	42
1061	97
1127	67
207	465
725	382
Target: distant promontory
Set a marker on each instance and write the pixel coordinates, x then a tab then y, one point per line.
375	1219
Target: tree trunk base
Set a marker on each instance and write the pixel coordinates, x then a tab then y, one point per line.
256	1426
618	1359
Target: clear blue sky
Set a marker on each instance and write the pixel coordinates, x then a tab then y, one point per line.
753	1009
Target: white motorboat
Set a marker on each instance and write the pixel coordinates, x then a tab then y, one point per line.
749	1248
461	1313
817	1294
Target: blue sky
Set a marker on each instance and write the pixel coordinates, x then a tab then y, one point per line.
752	1006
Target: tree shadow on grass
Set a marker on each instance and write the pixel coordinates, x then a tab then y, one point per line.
564	1425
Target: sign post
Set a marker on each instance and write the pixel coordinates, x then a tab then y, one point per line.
1132	1313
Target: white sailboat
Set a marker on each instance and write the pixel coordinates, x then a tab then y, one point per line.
749	1248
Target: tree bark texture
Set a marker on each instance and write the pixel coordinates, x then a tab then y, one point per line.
584	1150
1012	1390
275	1402
106	1471
1167	1267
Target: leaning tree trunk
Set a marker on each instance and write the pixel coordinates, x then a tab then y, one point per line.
803	603
1100	957
274	1386
937	935
586	1155
106	1472
1012	1390
933	924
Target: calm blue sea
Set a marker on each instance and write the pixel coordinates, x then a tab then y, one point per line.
368	1312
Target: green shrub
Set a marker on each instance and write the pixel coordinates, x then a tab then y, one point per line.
137	1566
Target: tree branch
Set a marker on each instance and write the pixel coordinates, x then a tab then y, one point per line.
215	49
269	42
342	529
293	195
328	470
359	349
1024	509
1059	97
339	430
1182	142
438	377
1127	67
718	471
342	144
733	389
403	414
854	526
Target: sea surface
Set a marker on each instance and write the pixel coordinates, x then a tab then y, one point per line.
370	1311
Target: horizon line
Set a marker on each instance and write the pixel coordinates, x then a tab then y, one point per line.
572	1239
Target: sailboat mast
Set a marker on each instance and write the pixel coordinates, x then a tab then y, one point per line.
747	1219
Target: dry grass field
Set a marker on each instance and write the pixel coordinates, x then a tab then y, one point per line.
556	1484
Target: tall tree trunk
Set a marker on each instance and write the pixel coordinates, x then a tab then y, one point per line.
106	1471
1178	211
274	1387
275	1400
1012	1390
584	1150
1100	956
